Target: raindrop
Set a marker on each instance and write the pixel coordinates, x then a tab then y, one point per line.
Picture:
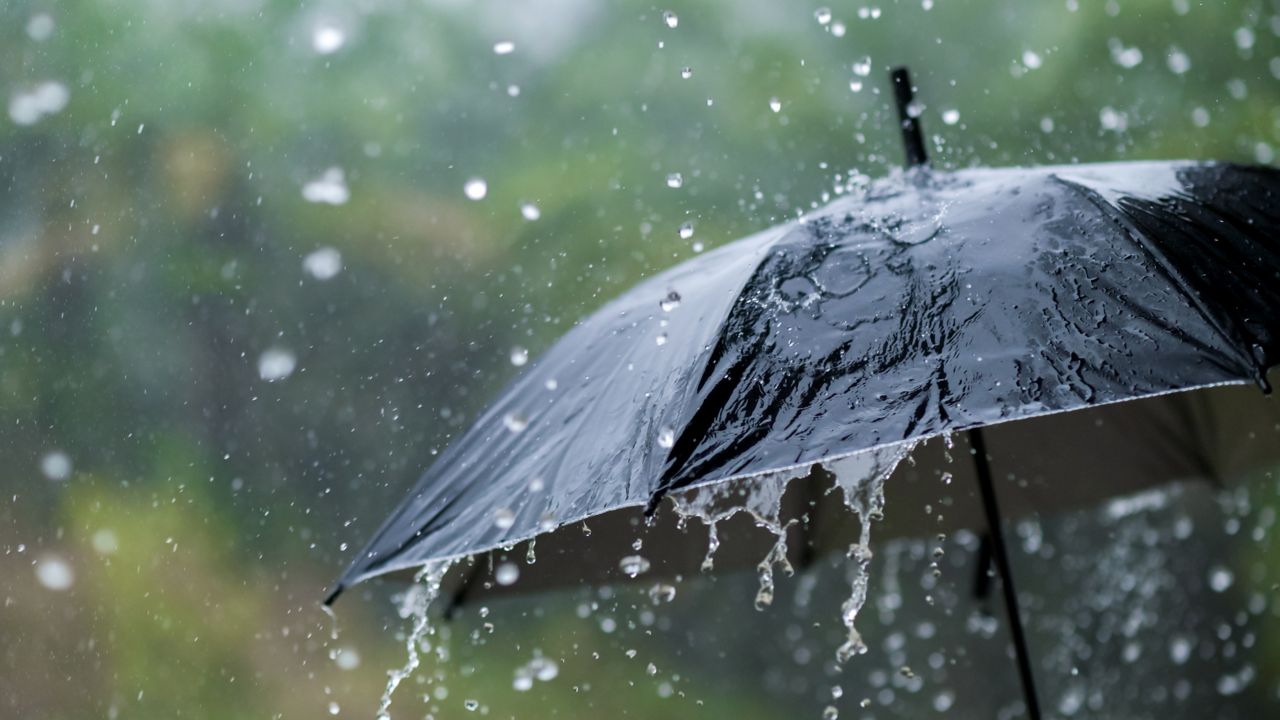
323	264
1032	60
1200	117
675	180
670	302
661	339
1179	650
822	15
633	565
666	438
775	104
276	364
1244	38
686	230
862	68
1126	57
686	72
523	681
830	713
471	705
327	39
346	658
328	189
334	708
1178	61
670	19
519	356
56	465
529	211
54	573
551	384
837	29
476	189
104	542
506	573
504	47
1220	578
951	116
662	593
855	85
515	422
31	106
40	27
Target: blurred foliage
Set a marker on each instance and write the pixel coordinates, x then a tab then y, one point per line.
153	231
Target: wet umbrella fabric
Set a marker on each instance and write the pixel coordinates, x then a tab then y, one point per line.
920	305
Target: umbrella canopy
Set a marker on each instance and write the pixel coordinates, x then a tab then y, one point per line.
913	307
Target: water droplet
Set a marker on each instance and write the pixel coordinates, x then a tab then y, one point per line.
476	189
775	104
327	39
334	708
666	438
105	542
519	356
1220	578
1178	61
551	384
661	339
830	713
662	593
276	364
1180	650
670	19
862	68
537	485
328	189
529	211
40	27
506	573
675	180
686	72
855	85
822	15
1032	60
504	518
31	106
56	465
471	705
323	264
54	573
838	29
633	565
686	230
504	47
670	302
515	422
951	116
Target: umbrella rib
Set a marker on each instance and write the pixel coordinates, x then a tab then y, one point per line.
1000	554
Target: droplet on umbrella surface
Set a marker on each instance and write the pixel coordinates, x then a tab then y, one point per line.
661	339
1220	578
686	72
504	47
506	573
551	384
323	264
670	302
328	189
327	39
519	356
105	542
634	565
529	211
515	422
56	465
40	27
951	116
675	180
28	107
686	230
476	188
775	104
666	438
504	518
670	19
822	15
276	364
537	485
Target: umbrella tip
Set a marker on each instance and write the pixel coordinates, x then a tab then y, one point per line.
333	594
912	138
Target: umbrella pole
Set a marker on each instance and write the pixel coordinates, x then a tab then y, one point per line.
912	138
1001	556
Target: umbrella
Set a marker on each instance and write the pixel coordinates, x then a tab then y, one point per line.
911	308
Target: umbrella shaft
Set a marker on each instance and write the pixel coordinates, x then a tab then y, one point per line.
1001	556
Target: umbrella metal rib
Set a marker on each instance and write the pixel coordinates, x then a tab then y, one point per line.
1000	553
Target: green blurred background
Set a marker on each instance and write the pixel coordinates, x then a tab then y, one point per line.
245	298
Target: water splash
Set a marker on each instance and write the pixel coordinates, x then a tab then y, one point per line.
416	604
861	478
759	496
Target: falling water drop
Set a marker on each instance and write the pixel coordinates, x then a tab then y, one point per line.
675	180
775	104
519	356
670	19
476	188
686	230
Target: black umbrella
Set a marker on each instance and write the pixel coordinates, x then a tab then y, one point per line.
915	307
